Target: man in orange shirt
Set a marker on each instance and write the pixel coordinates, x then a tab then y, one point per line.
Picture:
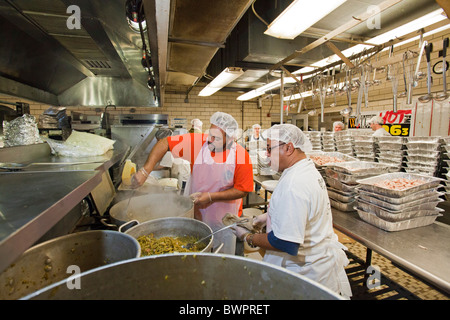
221	176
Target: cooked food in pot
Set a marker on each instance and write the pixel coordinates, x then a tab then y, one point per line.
151	245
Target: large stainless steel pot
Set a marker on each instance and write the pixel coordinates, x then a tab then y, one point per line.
151	206
189	277
48	262
174	227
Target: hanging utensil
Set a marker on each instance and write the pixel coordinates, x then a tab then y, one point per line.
388	73
428	96
444	95
418	75
405	93
394	81
410	76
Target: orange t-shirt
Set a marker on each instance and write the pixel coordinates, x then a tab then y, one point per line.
188	146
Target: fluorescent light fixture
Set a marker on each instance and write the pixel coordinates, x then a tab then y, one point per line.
260	91
422	22
297	96
225	77
299	16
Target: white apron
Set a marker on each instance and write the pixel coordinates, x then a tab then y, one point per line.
324	263
209	176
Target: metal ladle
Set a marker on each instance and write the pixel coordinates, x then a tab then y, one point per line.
428	96
191	245
444	95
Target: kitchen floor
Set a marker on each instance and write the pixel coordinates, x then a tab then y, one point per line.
396	284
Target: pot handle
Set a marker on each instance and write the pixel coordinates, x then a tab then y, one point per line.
218	248
128	225
103	221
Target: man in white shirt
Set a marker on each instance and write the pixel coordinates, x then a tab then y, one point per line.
299	230
376	124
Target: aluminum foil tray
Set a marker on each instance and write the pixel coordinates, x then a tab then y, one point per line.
435	139
344	177
336	184
368	184
420	204
338	155
395	216
391	139
395	226
341	196
423	146
343	206
360	168
390	146
427	194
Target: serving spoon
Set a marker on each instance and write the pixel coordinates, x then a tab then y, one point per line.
191	245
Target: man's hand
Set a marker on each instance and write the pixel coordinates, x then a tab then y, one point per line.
260	221
138	179
201	199
240	232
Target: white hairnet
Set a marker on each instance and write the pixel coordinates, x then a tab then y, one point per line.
289	133
226	122
338	123
376	119
256	126
197	123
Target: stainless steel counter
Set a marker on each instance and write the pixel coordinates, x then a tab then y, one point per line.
423	251
33	200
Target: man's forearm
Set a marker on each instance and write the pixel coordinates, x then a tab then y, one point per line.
229	194
156	154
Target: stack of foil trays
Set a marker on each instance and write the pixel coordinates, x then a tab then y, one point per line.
395	210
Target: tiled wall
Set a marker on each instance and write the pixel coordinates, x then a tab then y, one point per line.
380	98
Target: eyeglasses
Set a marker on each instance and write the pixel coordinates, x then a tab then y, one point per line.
269	149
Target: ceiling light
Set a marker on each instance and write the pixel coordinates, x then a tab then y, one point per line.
299	16
225	77
297	96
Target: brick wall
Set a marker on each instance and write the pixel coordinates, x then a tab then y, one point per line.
380	98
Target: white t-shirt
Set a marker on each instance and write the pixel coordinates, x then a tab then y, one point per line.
299	211
299	208
381	133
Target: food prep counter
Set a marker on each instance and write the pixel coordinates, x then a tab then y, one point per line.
422	251
37	197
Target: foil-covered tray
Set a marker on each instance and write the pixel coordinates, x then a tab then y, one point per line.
336	184
376	221
368	184
360	168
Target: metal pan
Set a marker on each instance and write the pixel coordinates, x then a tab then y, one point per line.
48	262
191	276
149	207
